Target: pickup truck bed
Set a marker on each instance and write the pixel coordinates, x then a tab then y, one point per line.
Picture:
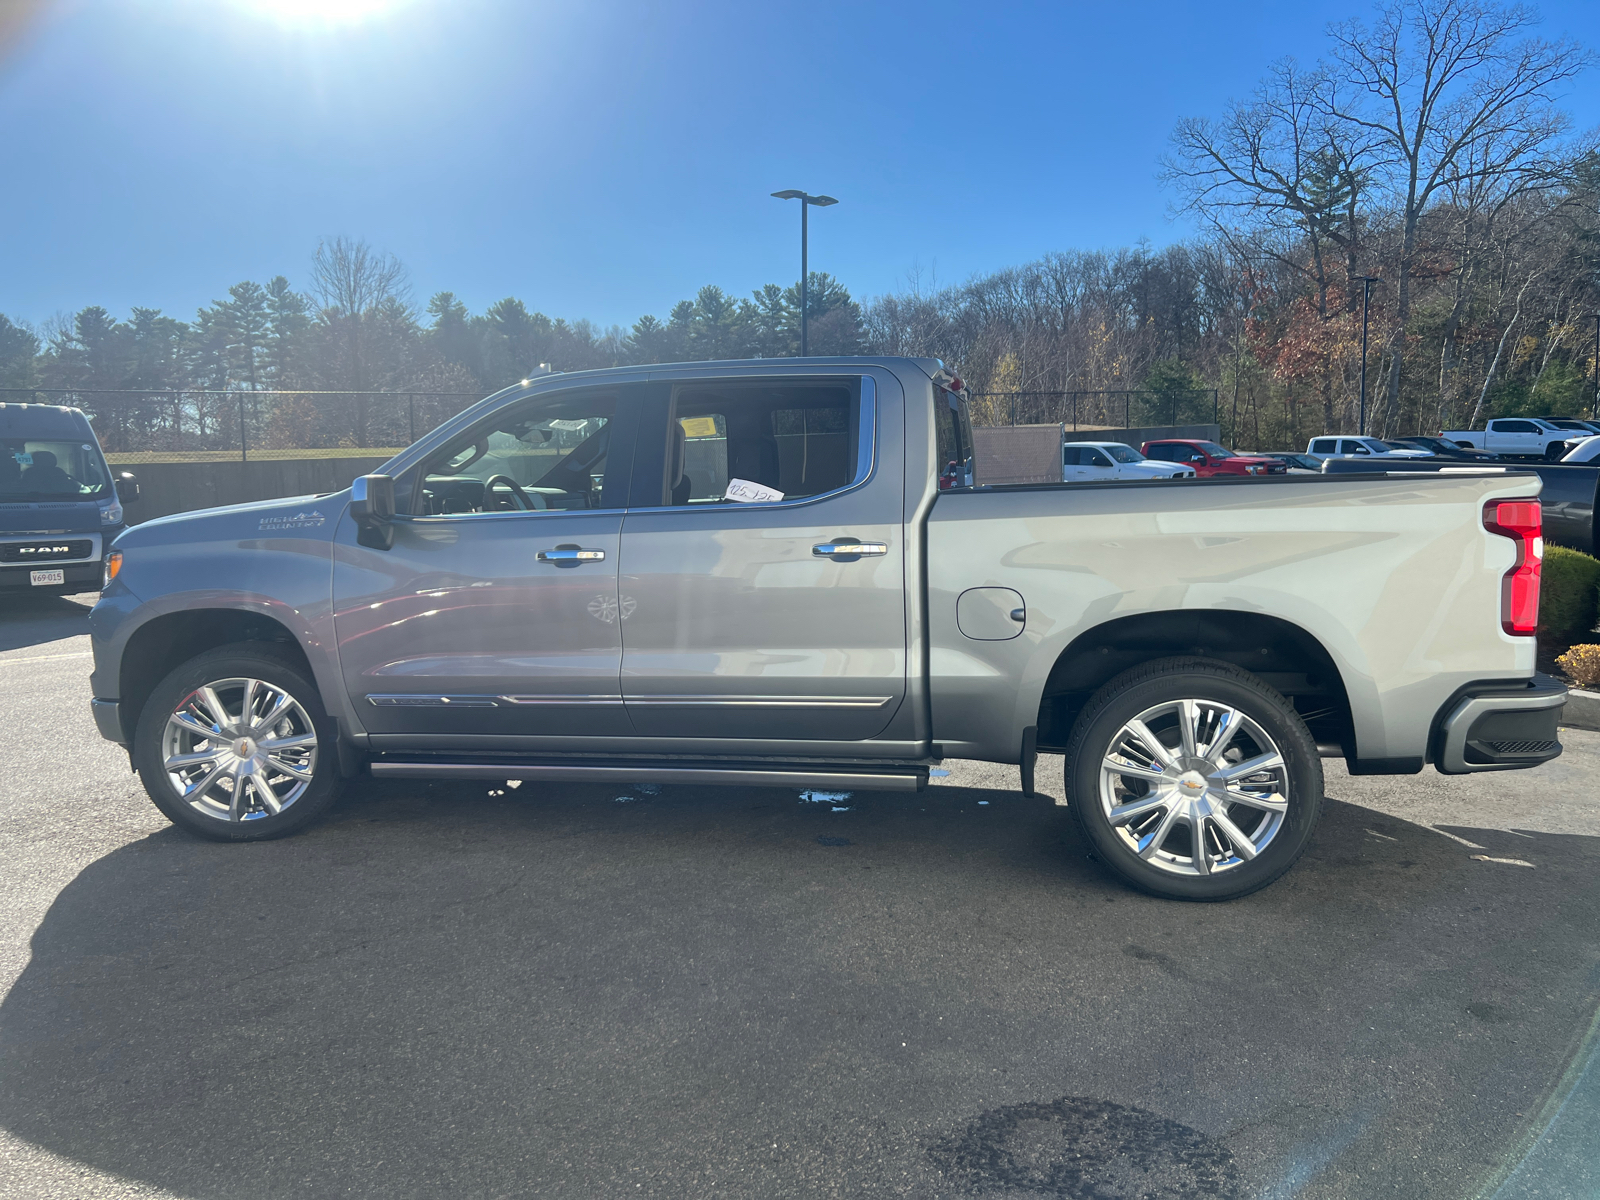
599	605
1569	494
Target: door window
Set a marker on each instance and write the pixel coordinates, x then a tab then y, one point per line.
733	443
1095	459
1515	427
1325	446
1070	456
549	454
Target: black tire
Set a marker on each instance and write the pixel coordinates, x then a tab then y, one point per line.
244	660
1099	729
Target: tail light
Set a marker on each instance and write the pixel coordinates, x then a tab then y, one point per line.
1519	520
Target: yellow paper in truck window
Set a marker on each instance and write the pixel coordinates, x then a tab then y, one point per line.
699	427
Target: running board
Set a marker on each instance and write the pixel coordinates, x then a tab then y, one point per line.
912	779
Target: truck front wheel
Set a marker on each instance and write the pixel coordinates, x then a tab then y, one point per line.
1194	780
235	745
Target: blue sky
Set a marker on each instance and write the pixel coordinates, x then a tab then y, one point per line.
604	160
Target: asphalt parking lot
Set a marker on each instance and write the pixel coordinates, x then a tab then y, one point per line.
460	990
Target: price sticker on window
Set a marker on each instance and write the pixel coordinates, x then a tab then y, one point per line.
746	492
699	427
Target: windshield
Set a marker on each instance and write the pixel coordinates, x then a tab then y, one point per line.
1216	451
35	468
1123	454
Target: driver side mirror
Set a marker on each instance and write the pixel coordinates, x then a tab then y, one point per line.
127	488
372	509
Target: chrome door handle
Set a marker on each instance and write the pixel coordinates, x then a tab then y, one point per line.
569	554
849	550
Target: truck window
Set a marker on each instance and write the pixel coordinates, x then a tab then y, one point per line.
796	439
548	453
1324	446
1070	456
1513	427
952	439
1094	458
52	467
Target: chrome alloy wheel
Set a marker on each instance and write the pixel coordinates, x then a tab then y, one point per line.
239	750
1194	787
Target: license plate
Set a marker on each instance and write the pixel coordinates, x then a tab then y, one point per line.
46	578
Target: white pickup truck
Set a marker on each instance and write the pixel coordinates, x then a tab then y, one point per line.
1517	437
1102	462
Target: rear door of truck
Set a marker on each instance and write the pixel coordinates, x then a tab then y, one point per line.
762	592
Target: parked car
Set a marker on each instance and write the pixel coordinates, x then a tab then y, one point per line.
1100	462
60	507
1515	437
1298	464
1440	448
1209	459
1323	448
1586	451
803	606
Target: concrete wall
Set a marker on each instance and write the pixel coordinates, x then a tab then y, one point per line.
173	487
1032	453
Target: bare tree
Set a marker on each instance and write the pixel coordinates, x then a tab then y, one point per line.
1452	94
357	287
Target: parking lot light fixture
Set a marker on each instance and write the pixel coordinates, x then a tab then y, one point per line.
1366	299
806	201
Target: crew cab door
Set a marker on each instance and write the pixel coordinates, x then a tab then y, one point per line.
1513	436
1073	469
495	610
780	617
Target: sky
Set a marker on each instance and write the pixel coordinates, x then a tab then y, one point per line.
605	160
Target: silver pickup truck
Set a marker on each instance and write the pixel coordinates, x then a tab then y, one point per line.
784	573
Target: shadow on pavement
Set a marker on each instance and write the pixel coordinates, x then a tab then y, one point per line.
29	620
551	991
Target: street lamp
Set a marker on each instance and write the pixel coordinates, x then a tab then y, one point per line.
1594	407
805	203
1366	299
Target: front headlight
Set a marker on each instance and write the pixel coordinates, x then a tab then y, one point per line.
111	515
113	568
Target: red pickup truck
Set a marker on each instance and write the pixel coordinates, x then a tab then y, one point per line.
1208	458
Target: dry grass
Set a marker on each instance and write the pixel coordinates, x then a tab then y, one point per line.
1582	665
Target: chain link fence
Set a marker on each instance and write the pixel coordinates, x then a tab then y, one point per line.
215	425
1104	409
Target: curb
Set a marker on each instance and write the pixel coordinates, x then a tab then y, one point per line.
1583	709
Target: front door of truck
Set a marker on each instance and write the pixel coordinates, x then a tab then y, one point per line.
495	610
763	583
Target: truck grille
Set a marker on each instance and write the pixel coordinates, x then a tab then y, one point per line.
50	550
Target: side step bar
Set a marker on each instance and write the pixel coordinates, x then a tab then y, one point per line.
907	779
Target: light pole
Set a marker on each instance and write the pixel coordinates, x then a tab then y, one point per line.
805	203
1366	299
1594	406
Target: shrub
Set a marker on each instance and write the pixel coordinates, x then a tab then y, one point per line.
1567	592
1583	664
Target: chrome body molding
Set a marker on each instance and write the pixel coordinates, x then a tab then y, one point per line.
408	700
404	700
799	701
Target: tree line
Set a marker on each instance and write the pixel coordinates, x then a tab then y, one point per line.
1423	170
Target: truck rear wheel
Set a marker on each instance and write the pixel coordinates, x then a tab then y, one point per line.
235	745
1194	780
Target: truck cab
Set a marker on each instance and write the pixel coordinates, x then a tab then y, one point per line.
60	506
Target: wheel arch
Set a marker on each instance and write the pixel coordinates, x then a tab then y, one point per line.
165	641
1280	652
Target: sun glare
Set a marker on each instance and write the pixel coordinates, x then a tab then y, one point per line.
319	12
